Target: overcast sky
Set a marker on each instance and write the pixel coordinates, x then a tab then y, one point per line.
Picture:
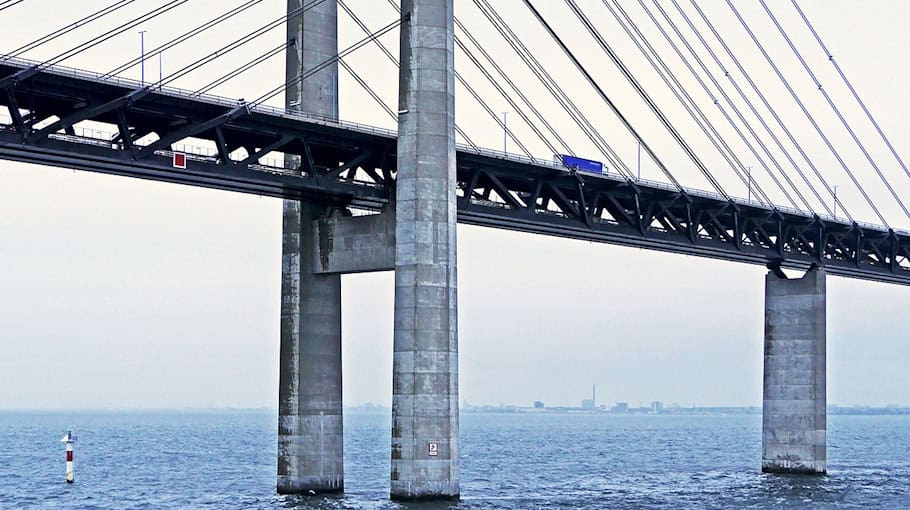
124	293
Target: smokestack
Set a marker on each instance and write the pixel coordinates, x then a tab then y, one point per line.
594	394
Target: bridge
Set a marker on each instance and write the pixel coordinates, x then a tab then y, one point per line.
348	165
360	198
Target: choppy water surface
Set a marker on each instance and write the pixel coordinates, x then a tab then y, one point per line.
227	460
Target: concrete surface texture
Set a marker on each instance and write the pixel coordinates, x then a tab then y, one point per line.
310	434
355	244
425	371
794	405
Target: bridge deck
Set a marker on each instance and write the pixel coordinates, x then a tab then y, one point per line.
77	119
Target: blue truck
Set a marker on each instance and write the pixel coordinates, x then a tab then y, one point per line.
582	164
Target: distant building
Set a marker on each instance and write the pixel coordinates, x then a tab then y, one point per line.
590	403
657	406
538	404
621	407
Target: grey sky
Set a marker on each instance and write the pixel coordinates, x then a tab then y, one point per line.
125	293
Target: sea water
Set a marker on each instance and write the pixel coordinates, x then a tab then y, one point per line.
227	459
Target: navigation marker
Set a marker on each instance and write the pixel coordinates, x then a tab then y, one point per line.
69	439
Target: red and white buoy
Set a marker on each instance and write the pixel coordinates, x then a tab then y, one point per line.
69	439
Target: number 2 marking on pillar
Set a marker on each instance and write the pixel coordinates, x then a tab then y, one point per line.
433	449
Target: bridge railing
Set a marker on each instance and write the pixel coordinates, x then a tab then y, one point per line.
133	84
227	102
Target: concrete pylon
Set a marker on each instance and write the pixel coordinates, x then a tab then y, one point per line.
425	372
794	414
310	437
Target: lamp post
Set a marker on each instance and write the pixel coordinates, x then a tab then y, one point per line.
142	57
835	201
639	160
749	184
505	132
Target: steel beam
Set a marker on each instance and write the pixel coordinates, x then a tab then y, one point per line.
641	215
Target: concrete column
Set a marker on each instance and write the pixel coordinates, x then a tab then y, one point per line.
310	439
794	411
316	34
425	373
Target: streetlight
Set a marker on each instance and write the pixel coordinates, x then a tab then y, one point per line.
505	131
749	184
639	160
835	201
142	57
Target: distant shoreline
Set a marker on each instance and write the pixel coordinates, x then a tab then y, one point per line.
684	411
505	409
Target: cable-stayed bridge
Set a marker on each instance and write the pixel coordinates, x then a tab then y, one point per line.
360	198
351	165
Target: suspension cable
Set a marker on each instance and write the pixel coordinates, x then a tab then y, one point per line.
232	45
806	112
723	111
604	96
766	104
391	113
9	3
553	87
512	85
852	90
181	38
461	80
834	107
720	106
685	99
366	86
505	95
243	68
645	97
67	29
95	41
324	64
458	77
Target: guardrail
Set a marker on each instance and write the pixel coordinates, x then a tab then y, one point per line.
375	130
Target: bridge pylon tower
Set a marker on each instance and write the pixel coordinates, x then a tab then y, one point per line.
415	236
310	429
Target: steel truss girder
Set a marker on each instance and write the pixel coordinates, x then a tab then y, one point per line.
341	166
205	174
132	113
689	224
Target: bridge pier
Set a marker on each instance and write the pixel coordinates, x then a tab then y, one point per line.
310	437
794	414
425	354
310	429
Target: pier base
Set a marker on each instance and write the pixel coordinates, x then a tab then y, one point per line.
794	414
